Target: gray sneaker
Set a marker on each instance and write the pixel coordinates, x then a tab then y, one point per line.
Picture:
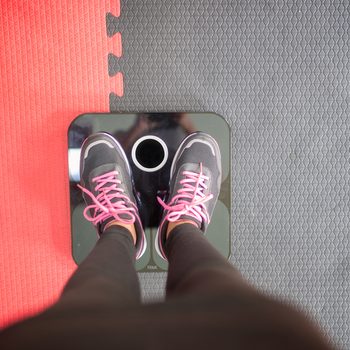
106	182
195	181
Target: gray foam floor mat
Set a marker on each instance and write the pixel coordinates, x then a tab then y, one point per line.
278	71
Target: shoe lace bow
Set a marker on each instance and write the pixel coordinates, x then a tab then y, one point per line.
189	199
110	200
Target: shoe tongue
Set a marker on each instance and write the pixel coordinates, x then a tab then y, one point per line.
101	226
191	218
102	169
105	222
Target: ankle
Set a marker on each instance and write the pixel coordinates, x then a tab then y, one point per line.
172	225
129	227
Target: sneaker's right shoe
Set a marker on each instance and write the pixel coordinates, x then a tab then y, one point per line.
195	181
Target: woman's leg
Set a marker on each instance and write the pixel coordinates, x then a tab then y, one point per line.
195	266
107	275
213	306
94	301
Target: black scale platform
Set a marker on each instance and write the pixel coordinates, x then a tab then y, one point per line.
150	141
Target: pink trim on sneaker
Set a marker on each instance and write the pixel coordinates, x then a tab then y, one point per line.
110	201
190	199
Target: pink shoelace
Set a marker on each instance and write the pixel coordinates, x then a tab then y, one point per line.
189	199
103	207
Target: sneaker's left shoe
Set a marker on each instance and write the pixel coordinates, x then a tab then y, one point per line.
106	182
195	181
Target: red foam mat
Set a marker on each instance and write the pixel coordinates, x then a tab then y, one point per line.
53	66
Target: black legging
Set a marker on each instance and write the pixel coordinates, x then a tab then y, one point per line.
208	306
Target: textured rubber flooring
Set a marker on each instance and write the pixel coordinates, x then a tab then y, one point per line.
53	66
278	71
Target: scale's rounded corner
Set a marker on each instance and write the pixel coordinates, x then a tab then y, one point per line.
75	260
221	117
73	256
230	254
79	116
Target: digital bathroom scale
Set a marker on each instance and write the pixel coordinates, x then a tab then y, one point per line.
150	141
